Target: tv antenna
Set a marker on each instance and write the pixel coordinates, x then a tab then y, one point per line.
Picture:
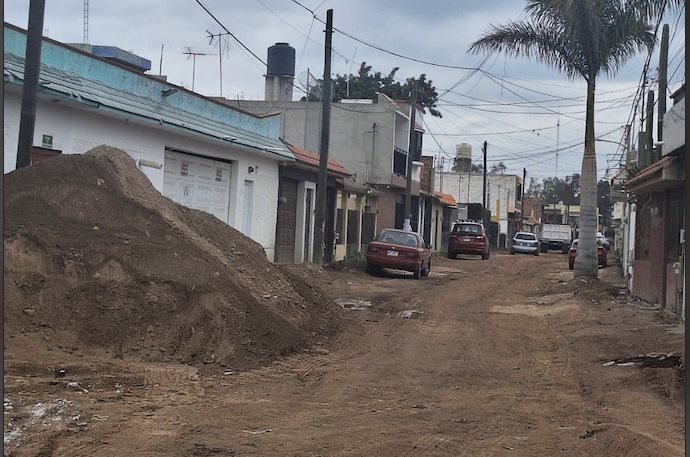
192	55
211	38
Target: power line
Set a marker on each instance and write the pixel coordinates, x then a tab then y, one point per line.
231	34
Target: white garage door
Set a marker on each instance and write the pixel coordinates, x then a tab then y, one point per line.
198	183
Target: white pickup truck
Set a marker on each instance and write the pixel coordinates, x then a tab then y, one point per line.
555	237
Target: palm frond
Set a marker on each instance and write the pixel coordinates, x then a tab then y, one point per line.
534	41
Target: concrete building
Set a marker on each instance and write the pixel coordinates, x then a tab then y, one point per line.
369	138
658	190
504	197
198	152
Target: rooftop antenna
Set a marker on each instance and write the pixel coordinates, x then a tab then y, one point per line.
211	37
86	21
192	55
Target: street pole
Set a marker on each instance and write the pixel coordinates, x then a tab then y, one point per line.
408	185
306	112
32	65
663	82
484	187
441	183
650	126
321	190
522	199
469	178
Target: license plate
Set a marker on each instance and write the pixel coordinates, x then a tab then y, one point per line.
393	253
466	240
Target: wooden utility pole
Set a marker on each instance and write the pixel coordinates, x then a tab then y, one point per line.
32	65
522	199
484	177
407	225
321	188
663	82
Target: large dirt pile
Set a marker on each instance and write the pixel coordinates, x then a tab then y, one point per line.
94	254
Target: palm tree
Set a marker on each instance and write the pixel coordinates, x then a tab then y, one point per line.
580	38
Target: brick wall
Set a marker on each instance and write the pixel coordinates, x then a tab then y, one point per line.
427	173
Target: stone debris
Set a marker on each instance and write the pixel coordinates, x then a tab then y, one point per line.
410	314
353	304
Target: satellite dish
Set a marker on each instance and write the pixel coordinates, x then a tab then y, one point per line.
309	83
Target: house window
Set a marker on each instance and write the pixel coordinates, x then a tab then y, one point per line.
219	175
184	169
399	162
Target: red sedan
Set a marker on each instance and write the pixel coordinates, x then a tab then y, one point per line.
399	250
601	255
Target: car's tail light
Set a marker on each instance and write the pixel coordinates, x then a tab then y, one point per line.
373	249
412	254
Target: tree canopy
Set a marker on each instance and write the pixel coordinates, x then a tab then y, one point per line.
555	190
366	84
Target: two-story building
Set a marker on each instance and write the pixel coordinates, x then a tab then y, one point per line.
369	138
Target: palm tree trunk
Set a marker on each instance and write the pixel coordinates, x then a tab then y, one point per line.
586	263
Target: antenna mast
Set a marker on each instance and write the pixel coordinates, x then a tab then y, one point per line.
86	21
191	54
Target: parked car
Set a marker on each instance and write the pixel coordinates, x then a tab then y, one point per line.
601	255
525	243
468	237
399	250
604	241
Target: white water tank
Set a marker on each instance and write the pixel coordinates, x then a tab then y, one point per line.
463	151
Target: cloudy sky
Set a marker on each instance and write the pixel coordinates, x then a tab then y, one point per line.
530	116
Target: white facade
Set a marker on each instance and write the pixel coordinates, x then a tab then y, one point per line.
502	192
75	130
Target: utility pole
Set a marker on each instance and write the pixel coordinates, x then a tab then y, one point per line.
373	149
469	178
408	186
650	126
663	70
522	199
484	186
627	144
32	65
442	170
459	186
558	134
306	110
321	190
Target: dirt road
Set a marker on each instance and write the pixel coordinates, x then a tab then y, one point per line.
483	358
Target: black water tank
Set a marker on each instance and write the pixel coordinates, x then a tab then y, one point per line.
281	60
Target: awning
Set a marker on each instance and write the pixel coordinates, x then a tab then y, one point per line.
312	159
446	199
664	173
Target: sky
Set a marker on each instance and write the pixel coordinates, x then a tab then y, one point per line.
531	116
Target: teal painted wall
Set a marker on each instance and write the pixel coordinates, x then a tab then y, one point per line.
64	58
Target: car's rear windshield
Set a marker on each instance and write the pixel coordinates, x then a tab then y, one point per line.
404	239
526	236
468	229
